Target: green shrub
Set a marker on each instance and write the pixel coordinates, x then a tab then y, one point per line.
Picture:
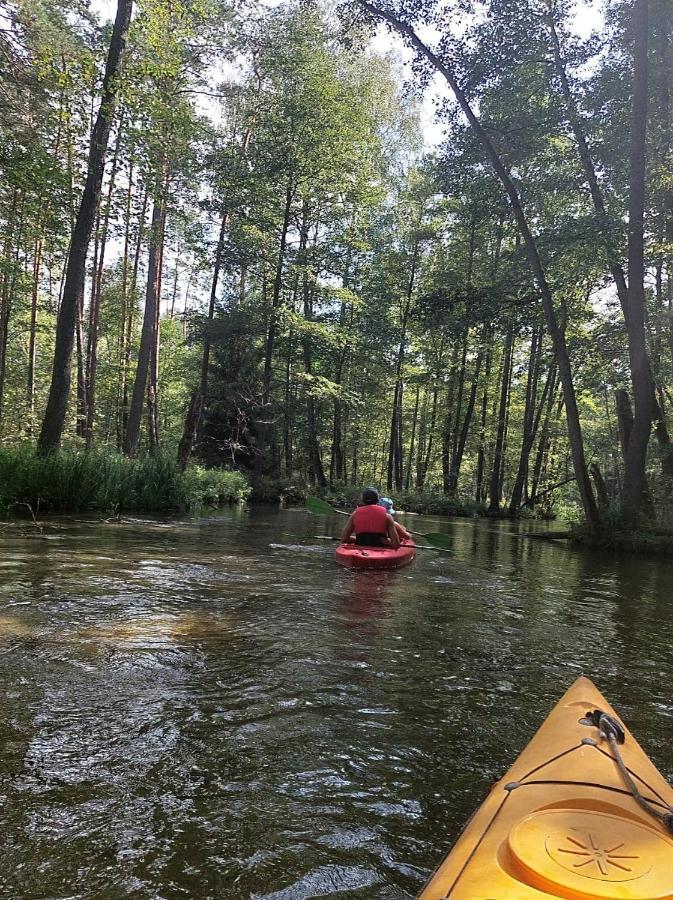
71	481
214	487
624	534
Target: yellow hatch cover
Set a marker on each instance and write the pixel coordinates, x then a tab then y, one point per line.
578	853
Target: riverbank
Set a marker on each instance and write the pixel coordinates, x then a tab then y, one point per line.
346	497
98	481
626	537
615	535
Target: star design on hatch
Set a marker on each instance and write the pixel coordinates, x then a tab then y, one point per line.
593	854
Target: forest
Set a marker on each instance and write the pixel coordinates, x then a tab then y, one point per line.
229	253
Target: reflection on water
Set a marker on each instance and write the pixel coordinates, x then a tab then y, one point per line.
212	708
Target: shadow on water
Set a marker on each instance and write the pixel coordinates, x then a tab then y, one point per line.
211	707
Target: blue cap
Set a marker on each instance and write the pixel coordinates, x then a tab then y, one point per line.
387	504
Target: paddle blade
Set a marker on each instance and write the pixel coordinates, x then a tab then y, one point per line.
319	507
438	539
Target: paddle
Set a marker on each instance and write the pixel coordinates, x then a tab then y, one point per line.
437	539
330	537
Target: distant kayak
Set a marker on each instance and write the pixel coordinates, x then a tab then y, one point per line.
563	822
354	557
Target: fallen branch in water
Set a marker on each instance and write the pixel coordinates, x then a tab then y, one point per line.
535	535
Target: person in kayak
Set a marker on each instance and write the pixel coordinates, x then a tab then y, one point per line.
370	525
389	507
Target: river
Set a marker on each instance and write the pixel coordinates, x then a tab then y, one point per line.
212	708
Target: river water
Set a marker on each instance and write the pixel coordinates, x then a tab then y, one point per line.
212	708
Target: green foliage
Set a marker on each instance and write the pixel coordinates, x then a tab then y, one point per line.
355	270
426	502
622	534
71	481
214	487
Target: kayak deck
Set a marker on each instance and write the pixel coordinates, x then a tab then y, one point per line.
562	823
353	556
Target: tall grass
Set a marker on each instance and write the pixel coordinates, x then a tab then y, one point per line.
71	481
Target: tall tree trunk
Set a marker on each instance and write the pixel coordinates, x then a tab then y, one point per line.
556	333
543	443
194	417
495	489
316	471
32	334
59	391
288	448
12	244
422	435
128	325
94	312
395	477
265	419
601	487
148	335
124	301
337	461
634	493
410	461
447	435
464	431
338	458
527	432
452	480
153	374
508	410
195	412
479	493
480	487
427	460
459	439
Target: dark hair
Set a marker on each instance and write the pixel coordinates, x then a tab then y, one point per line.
370	496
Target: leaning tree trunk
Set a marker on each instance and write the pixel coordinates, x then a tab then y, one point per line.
661	430
637	346
554	329
59	391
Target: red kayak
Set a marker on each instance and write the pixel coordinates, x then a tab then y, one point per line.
354	557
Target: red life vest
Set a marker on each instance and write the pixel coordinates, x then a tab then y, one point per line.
370	519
